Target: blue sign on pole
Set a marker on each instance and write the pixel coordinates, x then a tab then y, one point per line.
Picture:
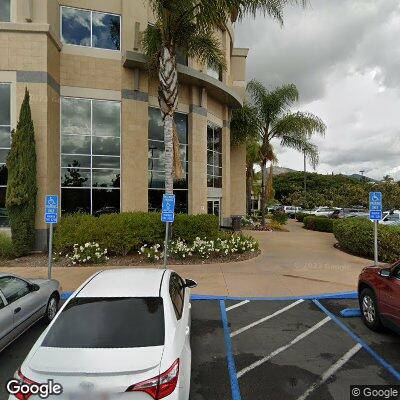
168	208
375	206
51	209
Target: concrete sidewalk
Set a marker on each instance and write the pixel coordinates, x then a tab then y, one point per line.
294	263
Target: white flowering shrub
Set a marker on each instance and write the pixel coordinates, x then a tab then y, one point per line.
57	256
88	253
242	244
247	221
179	249
203	248
153	253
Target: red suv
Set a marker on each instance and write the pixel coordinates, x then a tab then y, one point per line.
379	297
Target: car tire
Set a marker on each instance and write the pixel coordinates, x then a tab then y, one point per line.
369	310
52	308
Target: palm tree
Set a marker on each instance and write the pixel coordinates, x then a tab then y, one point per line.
189	25
277	122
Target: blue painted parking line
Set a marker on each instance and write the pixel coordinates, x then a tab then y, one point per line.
229	354
365	346
66	295
350	313
327	296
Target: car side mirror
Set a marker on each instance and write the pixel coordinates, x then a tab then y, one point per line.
385	273
34	287
190	283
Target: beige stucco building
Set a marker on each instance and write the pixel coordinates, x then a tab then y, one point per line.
98	130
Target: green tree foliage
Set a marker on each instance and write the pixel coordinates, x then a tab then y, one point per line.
332	190
22	188
189	26
276	122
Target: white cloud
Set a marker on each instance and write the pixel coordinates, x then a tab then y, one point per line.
344	56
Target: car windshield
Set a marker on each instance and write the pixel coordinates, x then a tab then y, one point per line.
109	323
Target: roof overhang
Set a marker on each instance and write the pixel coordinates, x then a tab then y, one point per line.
191	76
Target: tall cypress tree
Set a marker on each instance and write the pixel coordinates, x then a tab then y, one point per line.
21	186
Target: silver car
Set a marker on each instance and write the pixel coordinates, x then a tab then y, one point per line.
23	302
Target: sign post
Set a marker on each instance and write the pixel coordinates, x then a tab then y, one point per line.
51	217
375	214
167	216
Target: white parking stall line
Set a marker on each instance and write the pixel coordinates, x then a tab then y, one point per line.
242	303
260	321
331	371
283	348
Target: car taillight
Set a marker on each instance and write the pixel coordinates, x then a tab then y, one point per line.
25	380
160	386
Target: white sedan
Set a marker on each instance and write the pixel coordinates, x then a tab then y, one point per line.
123	334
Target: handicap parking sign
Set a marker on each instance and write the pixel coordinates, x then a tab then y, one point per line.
168	208
51	209
375	206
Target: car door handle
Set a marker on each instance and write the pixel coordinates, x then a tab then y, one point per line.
187	331
17	310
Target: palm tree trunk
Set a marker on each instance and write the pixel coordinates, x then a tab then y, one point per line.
263	191
168	101
270	182
169	153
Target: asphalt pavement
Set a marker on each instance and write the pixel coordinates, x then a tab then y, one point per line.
289	349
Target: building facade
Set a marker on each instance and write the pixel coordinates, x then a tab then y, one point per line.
98	127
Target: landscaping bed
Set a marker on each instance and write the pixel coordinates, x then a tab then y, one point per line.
356	236
137	238
133	260
320	224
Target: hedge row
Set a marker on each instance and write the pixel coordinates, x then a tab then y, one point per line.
280	217
356	236
320	224
300	217
127	232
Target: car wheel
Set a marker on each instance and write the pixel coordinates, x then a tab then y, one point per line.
52	308
369	310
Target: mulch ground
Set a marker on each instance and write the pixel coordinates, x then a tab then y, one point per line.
40	260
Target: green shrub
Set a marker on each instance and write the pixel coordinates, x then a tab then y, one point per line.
118	233
320	224
300	216
188	227
6	247
280	217
356	235
126	232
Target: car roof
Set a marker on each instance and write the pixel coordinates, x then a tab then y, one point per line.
127	282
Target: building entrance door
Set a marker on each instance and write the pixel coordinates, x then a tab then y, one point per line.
214	207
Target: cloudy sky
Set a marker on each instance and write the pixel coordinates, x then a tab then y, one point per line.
344	57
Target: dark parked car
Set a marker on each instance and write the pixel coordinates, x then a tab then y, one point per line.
379	297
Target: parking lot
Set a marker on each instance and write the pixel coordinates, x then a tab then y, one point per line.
289	349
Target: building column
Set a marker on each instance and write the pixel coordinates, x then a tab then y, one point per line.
198	152
134	154
226	169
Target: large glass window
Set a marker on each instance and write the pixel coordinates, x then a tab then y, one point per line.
90	156
214	156
90	28
5	10
157	161
5	144
214	73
